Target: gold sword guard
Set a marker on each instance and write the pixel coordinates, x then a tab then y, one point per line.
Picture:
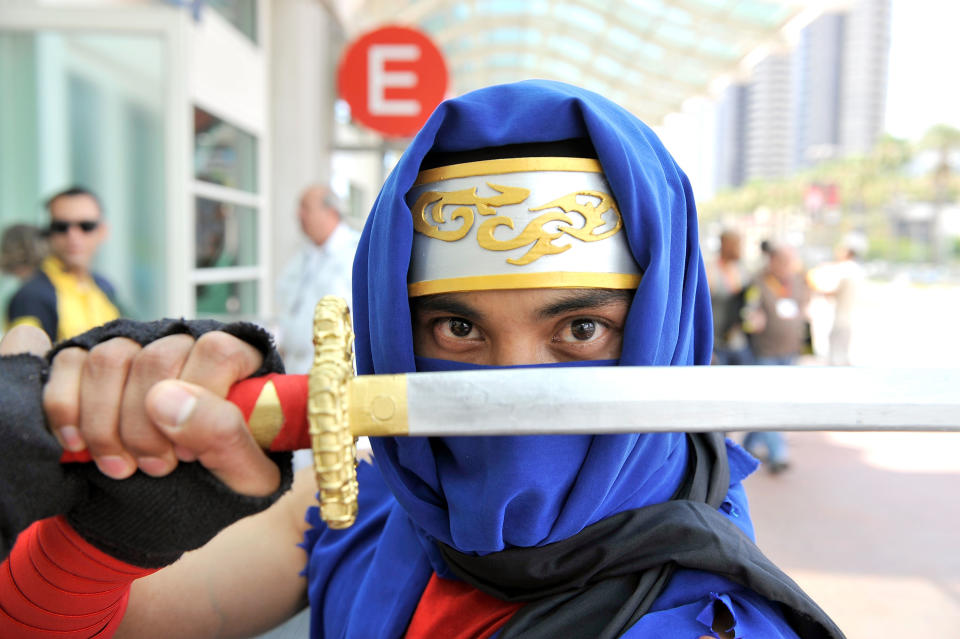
342	406
334	446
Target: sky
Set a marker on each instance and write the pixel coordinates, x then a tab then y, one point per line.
924	81
923	88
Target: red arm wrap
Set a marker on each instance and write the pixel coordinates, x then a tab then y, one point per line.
55	582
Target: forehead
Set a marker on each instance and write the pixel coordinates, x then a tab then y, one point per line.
68	207
313	196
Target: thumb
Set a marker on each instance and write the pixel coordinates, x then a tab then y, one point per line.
25	339
209	429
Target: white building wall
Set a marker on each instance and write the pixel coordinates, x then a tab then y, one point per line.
304	52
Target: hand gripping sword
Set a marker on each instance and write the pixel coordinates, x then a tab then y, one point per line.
329	408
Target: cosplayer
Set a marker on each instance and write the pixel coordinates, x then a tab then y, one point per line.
527	224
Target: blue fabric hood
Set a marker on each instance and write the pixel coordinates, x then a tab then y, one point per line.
481	495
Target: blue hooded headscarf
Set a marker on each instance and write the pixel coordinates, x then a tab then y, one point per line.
669	322
480	495
486	494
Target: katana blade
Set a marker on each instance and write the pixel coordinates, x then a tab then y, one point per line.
326	410
614	399
621	399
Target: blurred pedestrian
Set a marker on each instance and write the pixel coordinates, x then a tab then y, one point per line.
65	297
324	266
727	279
841	281
776	308
22	249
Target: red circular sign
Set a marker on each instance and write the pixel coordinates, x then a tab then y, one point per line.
392	78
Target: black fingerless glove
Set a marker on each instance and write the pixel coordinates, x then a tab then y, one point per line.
148	521
145	332
33	483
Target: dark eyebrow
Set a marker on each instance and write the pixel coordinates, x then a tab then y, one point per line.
580	299
446	303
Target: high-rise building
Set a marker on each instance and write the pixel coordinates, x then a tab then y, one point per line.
824	99
817	90
866	59
769	118
731	142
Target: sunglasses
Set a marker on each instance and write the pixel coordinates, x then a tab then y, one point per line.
87	226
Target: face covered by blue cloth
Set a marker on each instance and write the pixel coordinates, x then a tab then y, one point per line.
483	494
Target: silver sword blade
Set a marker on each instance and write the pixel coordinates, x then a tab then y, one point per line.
681	398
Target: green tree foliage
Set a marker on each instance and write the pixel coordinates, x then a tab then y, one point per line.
864	182
870	187
945	141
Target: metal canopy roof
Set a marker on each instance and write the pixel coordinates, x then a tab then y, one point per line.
648	55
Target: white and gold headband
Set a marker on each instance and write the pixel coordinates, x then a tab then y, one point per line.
533	222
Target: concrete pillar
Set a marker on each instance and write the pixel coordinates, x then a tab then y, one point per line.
304	44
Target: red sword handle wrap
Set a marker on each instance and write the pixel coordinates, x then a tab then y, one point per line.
274	406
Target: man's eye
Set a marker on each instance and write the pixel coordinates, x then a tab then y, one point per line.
457	327
583	330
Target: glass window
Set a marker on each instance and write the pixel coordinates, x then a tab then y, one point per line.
86	123
223	153
20	151
240	13
586	20
226	234
147	227
608	66
227	300
86	108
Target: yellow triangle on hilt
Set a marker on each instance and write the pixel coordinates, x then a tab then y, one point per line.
266	419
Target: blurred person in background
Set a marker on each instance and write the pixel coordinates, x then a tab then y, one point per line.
324	266
775	318
841	281
22	250
727	279
65	297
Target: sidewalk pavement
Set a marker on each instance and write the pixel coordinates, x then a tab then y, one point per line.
867	524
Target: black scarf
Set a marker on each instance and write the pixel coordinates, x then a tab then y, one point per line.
601	581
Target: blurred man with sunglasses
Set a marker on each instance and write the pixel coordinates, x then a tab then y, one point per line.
65	297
